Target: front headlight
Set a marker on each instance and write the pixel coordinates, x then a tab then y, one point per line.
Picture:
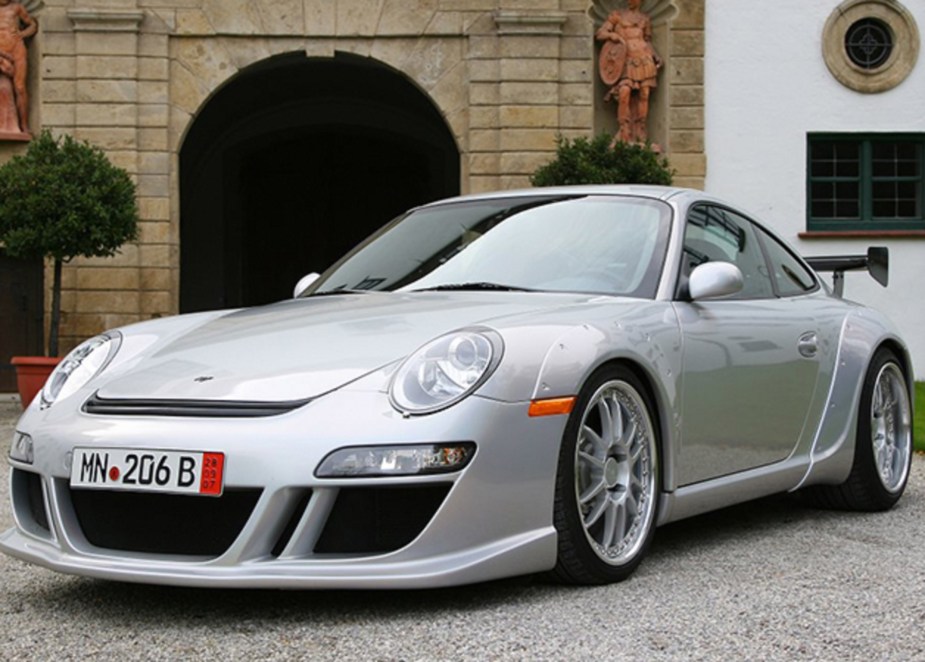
445	370
85	362
370	461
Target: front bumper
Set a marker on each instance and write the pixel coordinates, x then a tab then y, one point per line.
505	558
495	519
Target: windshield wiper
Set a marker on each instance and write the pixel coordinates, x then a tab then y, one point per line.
341	291
474	287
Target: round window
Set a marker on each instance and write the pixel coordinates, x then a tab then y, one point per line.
869	43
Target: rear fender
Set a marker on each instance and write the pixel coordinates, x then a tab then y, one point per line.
832	454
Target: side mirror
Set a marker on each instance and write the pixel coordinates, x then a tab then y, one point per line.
715	279
304	283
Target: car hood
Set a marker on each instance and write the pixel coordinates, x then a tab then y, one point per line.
302	348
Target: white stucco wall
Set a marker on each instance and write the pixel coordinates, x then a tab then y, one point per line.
767	86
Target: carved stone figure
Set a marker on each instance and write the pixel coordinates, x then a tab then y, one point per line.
9	120
16	25
629	65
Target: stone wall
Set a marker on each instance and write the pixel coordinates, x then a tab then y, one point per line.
104	79
685	87
507	75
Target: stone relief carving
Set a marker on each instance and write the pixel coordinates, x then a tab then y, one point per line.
629	62
629	65
659	11
16	26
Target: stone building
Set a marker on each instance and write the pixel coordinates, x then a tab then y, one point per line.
268	136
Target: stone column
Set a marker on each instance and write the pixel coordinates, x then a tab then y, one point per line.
105	81
520	91
685	90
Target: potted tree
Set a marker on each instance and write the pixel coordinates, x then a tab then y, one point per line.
60	200
603	160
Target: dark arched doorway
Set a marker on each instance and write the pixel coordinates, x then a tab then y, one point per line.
295	161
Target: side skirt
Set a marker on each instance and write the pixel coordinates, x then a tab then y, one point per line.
717	493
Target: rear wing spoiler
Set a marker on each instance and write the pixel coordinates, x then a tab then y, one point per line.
877	263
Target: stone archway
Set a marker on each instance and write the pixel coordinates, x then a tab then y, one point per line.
293	162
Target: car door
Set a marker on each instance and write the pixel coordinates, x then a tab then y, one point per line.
750	361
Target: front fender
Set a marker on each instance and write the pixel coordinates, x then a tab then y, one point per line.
556	360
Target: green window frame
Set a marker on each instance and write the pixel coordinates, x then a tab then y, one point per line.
865	182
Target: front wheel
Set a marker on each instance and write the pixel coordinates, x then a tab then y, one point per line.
607	480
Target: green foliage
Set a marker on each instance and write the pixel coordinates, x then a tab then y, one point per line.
63	199
584	161
918	432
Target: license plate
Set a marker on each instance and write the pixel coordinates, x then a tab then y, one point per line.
174	472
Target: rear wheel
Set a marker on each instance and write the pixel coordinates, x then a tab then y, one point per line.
883	447
607	481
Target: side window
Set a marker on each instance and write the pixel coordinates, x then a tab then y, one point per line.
790	276
719	235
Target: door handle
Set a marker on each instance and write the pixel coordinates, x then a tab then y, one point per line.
808	345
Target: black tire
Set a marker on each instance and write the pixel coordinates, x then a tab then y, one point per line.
603	537
883	446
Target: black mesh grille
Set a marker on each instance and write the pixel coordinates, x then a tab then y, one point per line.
379	519
189	408
163	523
29	486
292	523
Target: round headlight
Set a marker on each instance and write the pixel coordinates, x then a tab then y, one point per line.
84	363
445	370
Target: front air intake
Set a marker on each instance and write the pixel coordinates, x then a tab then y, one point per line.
163	523
367	520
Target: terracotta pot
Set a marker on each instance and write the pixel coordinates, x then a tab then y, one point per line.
31	374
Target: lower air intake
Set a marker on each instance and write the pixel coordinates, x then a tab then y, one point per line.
163	523
368	520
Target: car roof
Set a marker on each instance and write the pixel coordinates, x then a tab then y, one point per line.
636	190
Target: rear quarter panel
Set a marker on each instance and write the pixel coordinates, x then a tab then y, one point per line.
863	331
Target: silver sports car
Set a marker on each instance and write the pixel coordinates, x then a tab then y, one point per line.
493	385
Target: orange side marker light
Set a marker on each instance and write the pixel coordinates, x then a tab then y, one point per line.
551	406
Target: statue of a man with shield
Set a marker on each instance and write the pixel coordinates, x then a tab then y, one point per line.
629	65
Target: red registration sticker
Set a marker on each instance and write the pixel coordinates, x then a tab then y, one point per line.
144	470
210	482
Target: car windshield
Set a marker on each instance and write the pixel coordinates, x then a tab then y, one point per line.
596	244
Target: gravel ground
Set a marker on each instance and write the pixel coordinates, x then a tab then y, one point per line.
764	581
